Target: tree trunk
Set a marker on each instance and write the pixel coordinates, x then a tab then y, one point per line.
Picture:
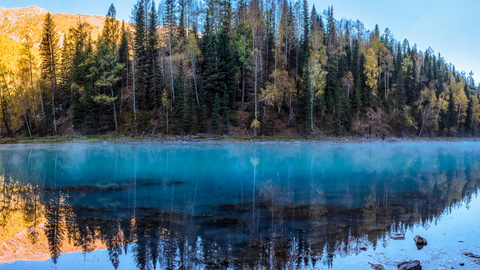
166	108
192	56
54	85
31	87
255	86
26	122
4	107
114	111
311	105
133	81
441	103
423	124
458	117
41	102
171	66
53	112
243	86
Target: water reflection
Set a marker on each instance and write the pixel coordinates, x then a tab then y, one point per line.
233	206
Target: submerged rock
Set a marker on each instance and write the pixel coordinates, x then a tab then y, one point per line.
410	265
225	221
397	236
377	266
420	241
471	255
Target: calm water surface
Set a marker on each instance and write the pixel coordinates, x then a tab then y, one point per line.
237	206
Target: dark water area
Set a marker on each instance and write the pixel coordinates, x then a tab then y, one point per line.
238	206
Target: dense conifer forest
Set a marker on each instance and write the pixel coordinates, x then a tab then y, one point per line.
249	68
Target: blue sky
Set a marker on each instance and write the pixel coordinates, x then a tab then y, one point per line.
449	27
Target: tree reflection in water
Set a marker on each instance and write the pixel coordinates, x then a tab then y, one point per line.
279	227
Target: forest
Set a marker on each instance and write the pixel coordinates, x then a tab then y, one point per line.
247	68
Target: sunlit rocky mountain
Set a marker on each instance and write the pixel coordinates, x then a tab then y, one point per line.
17	23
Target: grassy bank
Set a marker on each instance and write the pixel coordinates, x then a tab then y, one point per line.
217	138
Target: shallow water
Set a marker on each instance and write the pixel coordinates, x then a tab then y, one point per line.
274	205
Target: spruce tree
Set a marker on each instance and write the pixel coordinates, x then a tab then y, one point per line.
451	117
181	100
153	83
123	58
139	15
49	52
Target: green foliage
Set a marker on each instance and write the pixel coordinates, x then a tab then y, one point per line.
181	100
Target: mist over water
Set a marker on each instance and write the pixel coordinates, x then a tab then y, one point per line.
274	205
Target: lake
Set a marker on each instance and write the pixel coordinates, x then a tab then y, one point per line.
239	205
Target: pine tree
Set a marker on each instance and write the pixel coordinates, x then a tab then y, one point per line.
109	35
181	100
451	117
316	66
153	83
123	58
49	53
170	21
109	68
139	15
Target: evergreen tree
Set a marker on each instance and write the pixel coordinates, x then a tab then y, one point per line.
451	117
123	58
181	100
153	82
139	15
110	29
49	53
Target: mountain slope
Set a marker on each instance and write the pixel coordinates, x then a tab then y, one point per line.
17	23
10	49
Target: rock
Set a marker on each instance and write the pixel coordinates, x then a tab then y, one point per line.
410	265
363	248
462	264
377	266
420	241
471	255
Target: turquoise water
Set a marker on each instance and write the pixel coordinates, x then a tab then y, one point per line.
273	205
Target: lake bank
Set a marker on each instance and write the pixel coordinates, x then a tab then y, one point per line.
208	138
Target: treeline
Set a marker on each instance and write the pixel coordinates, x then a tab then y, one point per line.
250	67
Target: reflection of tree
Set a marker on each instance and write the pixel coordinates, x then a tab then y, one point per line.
282	228
110	231
140	248
54	226
8	188
31	206
31	212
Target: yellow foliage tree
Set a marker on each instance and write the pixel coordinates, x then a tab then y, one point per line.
371	70
316	65
427	106
459	98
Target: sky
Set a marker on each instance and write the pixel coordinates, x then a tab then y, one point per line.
449	27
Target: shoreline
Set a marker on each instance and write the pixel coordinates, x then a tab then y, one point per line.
219	139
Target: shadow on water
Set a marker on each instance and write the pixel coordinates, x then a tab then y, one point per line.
273	225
